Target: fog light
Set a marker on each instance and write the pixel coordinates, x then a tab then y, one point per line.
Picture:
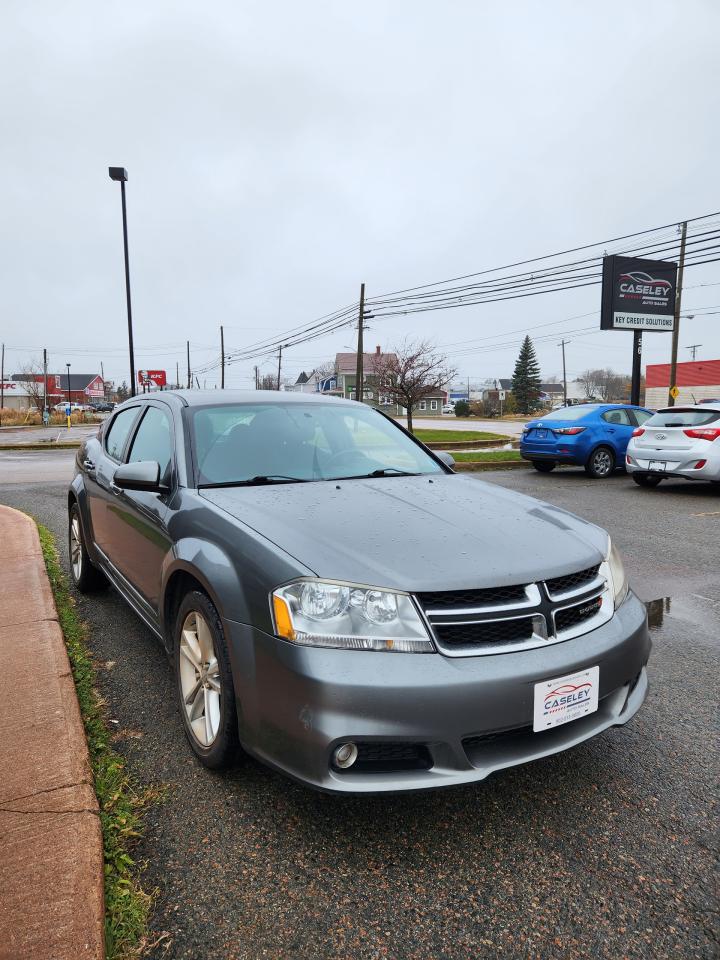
345	756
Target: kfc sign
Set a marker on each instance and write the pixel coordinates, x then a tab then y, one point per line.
146	377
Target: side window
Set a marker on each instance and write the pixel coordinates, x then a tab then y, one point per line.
153	440
617	416
118	432
422	405
641	416
433	404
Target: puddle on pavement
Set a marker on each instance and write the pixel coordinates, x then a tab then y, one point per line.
694	607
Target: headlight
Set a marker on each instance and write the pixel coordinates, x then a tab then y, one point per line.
317	613
617	574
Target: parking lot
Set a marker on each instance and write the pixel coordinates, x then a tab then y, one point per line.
609	850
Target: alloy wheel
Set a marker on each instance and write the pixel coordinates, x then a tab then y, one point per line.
200	678
602	462
76	558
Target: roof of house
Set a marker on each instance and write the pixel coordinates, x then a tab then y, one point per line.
347	362
78	381
303	378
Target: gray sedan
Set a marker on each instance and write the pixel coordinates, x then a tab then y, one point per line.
342	605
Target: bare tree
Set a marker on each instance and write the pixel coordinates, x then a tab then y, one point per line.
591	381
268	381
324	370
31	376
606	385
410	373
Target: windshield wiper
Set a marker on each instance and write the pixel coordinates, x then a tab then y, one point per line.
255	481
382	472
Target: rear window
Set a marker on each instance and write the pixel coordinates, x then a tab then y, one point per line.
678	417
576	412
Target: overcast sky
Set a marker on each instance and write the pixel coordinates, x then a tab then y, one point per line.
280	153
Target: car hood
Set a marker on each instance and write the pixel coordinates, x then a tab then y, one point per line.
416	533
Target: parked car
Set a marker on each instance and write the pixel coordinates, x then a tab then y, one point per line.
74	407
677	442
284	549
103	406
592	435
448	408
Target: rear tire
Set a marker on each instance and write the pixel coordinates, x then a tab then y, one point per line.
544	466
600	464
86	577
204	682
643	480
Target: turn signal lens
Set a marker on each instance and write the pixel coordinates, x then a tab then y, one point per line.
639	432
283	621
703	433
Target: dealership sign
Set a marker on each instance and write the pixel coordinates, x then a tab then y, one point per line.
638	294
157	377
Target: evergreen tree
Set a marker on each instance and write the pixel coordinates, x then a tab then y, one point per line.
526	378
123	391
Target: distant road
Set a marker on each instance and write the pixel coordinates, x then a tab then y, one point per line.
14	435
509	428
36	466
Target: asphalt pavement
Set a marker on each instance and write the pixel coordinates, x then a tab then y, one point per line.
609	850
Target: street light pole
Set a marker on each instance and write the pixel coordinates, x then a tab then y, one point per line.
120	174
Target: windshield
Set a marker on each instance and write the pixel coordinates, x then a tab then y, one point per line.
678	417
282	443
576	412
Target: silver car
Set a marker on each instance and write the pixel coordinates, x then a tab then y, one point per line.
340	604
676	442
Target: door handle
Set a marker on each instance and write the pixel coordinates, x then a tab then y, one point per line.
88	464
115	489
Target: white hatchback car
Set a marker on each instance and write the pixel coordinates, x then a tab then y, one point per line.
676	442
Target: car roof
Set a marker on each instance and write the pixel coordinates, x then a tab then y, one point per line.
205	398
702	407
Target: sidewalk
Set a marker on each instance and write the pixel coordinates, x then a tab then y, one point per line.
51	863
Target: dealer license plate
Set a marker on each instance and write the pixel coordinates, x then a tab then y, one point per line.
541	434
657	465
566	698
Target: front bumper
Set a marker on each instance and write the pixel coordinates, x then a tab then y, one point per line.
296	704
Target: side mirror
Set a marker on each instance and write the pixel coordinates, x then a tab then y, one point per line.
446	458
142	475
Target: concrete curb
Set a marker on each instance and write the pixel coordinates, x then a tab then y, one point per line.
40	446
451	445
476	466
50	837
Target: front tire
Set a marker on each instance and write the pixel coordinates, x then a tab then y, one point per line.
643	480
204	682
544	466
86	577
601	463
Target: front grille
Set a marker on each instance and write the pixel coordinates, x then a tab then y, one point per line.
573	616
385	757
474	598
489	632
571	581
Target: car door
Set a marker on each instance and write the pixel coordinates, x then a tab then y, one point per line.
102	459
618	428
140	540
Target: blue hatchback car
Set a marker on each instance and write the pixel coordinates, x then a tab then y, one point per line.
592	435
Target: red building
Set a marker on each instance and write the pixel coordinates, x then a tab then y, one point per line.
696	380
84	387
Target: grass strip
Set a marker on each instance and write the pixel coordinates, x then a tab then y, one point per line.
126	904
452	436
485	456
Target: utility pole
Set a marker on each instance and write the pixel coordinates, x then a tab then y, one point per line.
177	374
359	373
189	379
222	358
676	325
279	365
45	383
562	344
257	379
636	368
2	381
694	347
